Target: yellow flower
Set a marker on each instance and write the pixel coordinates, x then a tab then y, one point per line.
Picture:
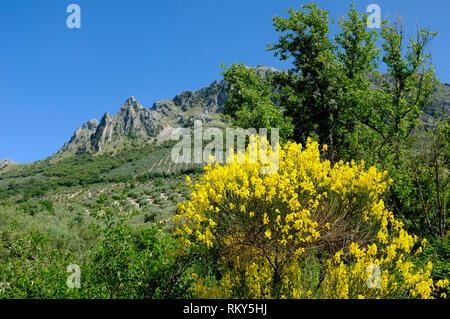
290	204
442	283
265	219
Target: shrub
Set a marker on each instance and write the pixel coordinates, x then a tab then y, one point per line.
134	263
260	227
158	181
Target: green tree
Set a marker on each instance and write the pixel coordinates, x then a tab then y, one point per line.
334	92
392	113
426	197
252	101
358	57
327	86
394	107
308	90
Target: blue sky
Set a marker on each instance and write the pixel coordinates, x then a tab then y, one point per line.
53	79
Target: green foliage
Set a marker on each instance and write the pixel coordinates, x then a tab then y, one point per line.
327	87
422	180
118	261
393	108
251	101
357	56
438	252
308	89
134	263
48	205
35	252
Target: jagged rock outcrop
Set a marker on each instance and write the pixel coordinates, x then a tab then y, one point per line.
81	137
132	120
102	134
202	104
5	163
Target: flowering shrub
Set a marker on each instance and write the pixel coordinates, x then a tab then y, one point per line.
263	226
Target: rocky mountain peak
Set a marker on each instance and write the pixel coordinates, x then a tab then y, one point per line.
130	104
130	100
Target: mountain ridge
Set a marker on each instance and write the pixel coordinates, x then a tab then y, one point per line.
155	124
133	120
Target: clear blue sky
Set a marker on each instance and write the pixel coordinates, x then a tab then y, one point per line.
53	79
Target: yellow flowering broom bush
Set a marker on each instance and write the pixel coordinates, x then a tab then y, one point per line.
263	226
